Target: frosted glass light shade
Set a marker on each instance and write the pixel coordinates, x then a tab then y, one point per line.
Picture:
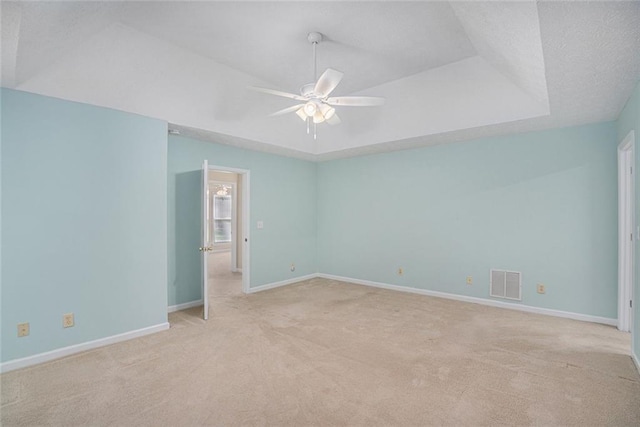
327	111
300	112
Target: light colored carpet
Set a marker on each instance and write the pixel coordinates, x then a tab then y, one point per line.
328	353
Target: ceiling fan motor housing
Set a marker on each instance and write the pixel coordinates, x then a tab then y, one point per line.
308	90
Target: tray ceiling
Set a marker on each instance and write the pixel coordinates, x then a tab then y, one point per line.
449	70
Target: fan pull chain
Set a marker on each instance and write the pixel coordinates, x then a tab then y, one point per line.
315	135
308	121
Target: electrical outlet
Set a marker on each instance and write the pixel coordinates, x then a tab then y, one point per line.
400	271
293	267
541	289
469	280
23	329
67	320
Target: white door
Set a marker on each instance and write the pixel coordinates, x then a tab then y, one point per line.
206	247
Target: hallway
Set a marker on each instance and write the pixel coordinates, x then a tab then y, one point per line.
222	281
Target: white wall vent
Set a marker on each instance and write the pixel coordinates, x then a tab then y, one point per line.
506	284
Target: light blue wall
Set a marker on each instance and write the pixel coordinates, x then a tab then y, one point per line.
542	203
630	120
283	196
84	214
83	222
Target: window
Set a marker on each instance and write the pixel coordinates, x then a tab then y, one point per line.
222	210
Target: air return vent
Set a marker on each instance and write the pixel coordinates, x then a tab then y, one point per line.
506	284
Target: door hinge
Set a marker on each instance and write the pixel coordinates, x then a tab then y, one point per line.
631	236
630	303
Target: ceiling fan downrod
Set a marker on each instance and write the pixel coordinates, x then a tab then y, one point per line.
314	38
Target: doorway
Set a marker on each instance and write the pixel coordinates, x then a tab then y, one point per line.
225	229
225	267
626	231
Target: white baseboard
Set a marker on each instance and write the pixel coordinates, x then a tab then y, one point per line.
236	270
282	283
184	305
635	359
24	362
475	300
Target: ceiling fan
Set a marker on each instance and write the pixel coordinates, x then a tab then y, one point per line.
315	105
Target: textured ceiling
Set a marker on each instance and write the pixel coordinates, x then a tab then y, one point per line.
377	43
449	70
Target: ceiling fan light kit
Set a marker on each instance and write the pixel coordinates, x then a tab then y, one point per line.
317	106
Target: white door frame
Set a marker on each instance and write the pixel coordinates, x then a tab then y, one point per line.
245	175
234	227
626	226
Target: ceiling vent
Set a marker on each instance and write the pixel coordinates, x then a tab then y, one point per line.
506	284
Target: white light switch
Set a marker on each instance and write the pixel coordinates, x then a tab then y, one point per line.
260	225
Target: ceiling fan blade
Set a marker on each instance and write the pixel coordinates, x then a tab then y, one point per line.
277	93
327	82
355	101
334	119
286	110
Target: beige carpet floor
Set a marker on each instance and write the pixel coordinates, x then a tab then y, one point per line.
328	353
